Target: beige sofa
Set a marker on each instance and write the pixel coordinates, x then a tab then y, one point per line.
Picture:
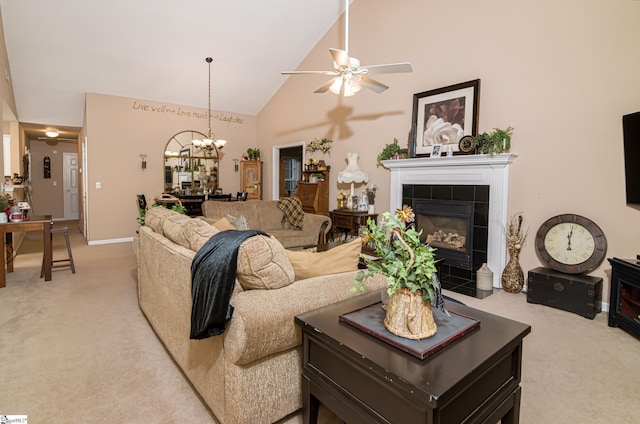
252	372
264	215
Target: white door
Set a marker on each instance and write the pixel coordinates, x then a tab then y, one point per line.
70	185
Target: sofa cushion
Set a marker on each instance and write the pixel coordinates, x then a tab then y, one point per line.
175	228
270	216
198	235
154	218
221	224
249	209
341	258
238	222
263	264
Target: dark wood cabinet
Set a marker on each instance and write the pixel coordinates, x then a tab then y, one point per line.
313	191
624	298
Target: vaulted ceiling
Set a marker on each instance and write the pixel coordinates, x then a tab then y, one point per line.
155	50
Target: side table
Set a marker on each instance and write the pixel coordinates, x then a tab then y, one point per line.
348	222
475	379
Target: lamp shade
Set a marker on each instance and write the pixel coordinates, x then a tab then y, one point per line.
352	173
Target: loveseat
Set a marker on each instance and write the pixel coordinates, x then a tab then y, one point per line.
251	373
265	215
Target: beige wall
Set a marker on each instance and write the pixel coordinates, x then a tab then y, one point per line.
119	129
561	72
48	193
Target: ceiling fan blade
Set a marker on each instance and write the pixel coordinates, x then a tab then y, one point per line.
330	73
372	84
388	68
340	57
325	87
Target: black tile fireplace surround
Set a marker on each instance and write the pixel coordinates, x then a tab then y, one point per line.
460	279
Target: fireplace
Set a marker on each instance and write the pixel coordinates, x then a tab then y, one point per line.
447	226
454	220
480	179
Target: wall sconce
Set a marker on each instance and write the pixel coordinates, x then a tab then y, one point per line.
235	165
143	165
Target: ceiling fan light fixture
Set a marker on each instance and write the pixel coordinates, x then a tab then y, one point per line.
336	86
351	87
52	133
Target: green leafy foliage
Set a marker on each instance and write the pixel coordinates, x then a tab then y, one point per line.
390	240
494	142
254	154
177	207
390	150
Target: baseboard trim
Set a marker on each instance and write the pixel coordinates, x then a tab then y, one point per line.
110	241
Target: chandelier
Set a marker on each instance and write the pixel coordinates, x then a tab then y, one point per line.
209	144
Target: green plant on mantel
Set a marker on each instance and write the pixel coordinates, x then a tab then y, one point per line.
392	151
494	142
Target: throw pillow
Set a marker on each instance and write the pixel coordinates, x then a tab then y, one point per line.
223	224
240	222
341	258
263	264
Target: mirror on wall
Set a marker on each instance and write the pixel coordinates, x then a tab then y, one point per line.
189	168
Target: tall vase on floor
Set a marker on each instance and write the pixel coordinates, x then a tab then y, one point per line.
512	276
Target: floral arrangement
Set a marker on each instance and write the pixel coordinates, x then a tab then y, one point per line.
311	162
5	201
323	145
401	257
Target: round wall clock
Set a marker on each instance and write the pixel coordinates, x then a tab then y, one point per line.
571	244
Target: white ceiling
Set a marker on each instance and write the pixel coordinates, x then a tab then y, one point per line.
155	50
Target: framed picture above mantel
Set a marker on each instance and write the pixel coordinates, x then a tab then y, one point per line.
444	116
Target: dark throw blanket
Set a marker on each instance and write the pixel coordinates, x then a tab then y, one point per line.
213	276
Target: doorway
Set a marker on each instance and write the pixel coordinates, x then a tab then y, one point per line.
289	159
70	185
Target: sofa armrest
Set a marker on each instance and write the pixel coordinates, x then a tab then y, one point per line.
263	320
318	224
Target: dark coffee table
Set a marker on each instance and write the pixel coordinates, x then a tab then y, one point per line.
475	379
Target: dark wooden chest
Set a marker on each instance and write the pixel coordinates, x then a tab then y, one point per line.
580	294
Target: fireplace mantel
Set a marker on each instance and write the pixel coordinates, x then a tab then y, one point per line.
463	170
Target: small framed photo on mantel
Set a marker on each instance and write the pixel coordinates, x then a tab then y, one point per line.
443	117
436	150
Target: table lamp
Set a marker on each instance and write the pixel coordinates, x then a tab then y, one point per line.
352	173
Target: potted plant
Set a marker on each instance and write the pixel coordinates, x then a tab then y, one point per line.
409	265
254	154
392	151
494	142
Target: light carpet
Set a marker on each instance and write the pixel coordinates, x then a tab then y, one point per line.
78	350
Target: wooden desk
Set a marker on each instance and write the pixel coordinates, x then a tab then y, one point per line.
475	379
34	223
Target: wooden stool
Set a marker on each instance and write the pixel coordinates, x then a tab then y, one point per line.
61	263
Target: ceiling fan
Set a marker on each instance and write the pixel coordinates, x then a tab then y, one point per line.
349	76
